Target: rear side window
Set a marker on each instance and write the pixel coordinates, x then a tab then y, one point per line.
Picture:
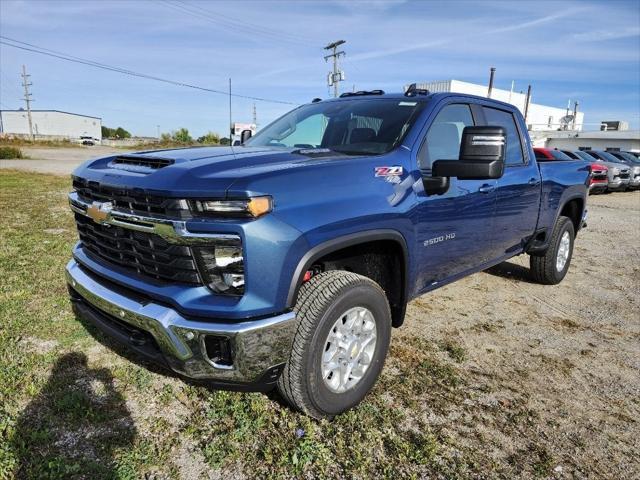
445	134
502	118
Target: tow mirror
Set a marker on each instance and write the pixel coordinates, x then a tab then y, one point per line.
245	135
482	152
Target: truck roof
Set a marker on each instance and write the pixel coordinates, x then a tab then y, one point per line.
416	98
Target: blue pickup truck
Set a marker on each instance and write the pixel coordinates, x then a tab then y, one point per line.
286	261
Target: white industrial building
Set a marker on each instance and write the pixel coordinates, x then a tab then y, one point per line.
50	124
539	117
626	140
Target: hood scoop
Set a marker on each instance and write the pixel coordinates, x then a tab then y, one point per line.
141	164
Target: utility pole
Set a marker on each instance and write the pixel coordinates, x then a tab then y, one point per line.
255	115
27	98
230	121
158	127
337	75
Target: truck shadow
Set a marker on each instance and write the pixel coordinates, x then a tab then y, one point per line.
75	426
512	271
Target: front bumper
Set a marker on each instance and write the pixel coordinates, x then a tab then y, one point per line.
259	347
618	183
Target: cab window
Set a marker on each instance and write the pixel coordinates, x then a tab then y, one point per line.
442	141
502	118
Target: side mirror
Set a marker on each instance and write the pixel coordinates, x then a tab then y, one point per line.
482	153
245	135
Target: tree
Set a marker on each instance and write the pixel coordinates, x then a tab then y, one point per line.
225	141
122	133
114	132
209	138
182	136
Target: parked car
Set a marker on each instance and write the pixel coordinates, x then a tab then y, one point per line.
86	140
550	154
618	173
571	154
634	164
271	264
598	180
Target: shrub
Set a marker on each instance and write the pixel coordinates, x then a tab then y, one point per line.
10	152
209	138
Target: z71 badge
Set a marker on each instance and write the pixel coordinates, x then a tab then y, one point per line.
390	174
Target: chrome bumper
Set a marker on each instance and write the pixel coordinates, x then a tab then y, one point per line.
259	347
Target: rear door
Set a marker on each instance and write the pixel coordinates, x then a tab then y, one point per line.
518	191
453	230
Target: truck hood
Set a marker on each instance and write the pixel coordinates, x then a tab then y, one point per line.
200	171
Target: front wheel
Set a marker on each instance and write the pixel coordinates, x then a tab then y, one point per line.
551	267
340	345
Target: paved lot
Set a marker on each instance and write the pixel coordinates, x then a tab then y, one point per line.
58	161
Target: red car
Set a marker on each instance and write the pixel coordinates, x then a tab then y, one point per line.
598	179
550	154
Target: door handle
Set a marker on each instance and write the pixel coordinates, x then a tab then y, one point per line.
486	188
533	181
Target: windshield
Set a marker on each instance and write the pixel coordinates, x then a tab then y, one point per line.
586	156
608	157
629	157
558	155
354	127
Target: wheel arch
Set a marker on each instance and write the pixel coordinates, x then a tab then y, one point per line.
362	239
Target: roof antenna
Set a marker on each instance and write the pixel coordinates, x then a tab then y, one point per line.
411	91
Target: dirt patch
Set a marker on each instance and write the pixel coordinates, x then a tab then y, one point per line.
553	372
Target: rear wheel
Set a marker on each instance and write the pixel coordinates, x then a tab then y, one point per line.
551	267
340	345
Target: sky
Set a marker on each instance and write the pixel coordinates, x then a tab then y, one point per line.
571	50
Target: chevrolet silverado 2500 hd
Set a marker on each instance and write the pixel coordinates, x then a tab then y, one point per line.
286	261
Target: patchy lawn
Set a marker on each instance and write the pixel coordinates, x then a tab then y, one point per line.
455	400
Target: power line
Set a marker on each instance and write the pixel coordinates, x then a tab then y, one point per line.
233	24
70	58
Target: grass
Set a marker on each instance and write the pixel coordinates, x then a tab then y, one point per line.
10	152
71	408
24	142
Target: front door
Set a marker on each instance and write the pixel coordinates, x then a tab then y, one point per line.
453	230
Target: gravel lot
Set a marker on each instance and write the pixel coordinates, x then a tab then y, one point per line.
490	377
567	356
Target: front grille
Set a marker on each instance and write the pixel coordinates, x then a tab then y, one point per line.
130	200
624	175
145	253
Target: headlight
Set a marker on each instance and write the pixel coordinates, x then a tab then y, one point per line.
616	171
221	266
250	207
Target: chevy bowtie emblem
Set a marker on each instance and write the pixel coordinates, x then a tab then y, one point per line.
99	211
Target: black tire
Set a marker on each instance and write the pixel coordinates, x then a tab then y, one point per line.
321	302
543	267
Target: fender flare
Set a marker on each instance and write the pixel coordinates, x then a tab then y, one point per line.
539	248
344	241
